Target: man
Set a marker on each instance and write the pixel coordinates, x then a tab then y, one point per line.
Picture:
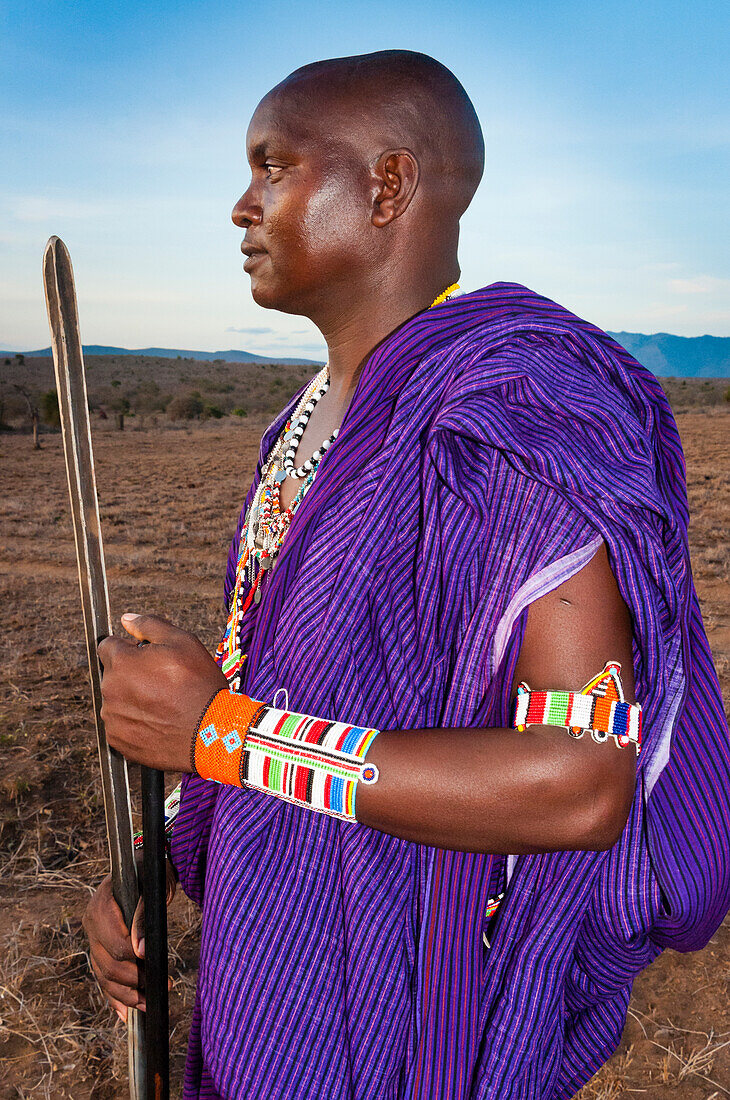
479	492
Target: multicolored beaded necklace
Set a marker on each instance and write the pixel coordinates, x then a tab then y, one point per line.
265	524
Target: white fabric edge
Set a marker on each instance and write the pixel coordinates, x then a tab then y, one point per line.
661	742
539	584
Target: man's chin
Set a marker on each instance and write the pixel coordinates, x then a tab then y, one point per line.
271	297
262	294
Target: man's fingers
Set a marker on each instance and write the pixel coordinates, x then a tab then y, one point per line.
103	916
149	628
123	972
121	1010
120	996
143	628
110	647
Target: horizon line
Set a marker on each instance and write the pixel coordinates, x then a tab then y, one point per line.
268	355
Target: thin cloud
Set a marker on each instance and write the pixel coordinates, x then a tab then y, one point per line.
701	284
39	208
250	331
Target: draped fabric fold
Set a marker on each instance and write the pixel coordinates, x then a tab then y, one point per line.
491	445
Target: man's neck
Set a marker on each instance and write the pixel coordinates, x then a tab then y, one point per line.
355	332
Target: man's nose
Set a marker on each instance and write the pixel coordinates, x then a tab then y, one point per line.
246	212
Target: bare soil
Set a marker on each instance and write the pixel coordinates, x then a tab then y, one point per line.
169	501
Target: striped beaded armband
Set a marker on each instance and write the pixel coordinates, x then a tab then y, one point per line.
599	707
172	807
310	761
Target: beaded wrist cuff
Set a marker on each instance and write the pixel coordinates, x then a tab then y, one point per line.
309	761
172	807
599	707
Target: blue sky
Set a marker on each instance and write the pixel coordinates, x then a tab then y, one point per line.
122	129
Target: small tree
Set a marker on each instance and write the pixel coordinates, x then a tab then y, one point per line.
146	398
33	413
121	407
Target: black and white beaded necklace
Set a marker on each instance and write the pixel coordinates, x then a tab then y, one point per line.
295	433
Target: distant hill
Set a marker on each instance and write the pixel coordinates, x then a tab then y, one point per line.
230	356
679	356
663	354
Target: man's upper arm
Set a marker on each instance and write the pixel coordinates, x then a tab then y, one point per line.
570	634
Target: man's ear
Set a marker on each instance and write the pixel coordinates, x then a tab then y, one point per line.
396	175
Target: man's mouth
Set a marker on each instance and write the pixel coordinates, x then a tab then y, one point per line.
252	260
252	254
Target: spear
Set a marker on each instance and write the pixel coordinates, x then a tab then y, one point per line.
148	1039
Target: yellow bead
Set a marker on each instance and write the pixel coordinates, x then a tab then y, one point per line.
442	297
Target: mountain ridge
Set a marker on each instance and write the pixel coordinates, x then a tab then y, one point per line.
664	354
230	356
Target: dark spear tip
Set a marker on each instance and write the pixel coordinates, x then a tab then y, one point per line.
155	934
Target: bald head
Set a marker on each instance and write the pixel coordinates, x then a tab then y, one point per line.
395	99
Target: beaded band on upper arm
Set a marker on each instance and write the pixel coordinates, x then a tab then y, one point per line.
599	707
310	761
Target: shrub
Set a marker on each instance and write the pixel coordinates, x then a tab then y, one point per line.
147	399
214	385
186	406
240	411
213	411
49	409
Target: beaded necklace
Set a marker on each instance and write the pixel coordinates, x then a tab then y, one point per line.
265	524
295	433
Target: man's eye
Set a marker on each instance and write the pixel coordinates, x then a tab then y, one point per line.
273	171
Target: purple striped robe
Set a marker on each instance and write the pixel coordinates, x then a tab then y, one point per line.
491	444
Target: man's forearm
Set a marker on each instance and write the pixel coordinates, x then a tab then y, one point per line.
497	790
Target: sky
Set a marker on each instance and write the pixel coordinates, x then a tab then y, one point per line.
122	127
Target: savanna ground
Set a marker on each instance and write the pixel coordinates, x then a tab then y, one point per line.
169	499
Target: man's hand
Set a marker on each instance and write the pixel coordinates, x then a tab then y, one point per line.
113	951
153	695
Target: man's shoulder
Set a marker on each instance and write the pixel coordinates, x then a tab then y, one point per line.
505	312
509	333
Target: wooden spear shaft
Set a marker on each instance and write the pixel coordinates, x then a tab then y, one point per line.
148	1045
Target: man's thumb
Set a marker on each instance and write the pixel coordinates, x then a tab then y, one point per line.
137	932
147	628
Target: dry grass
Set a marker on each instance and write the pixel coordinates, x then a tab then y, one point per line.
685	1056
